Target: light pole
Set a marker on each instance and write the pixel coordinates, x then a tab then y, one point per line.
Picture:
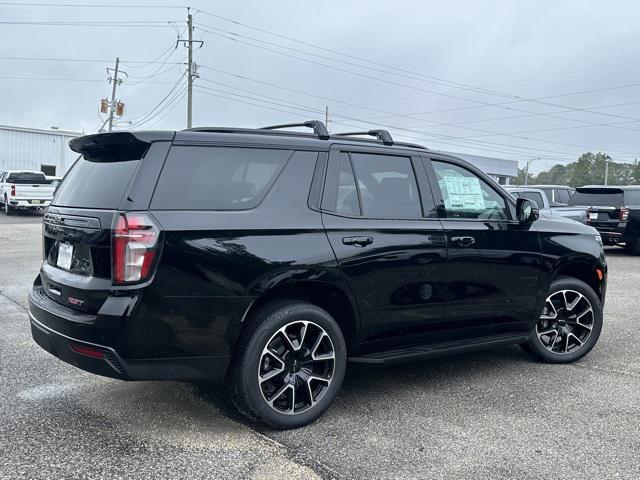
526	173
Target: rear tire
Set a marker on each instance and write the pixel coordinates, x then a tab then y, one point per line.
569	325
8	209
288	365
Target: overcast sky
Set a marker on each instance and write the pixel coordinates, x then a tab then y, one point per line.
566	74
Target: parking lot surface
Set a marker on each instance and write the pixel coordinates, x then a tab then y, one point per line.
492	414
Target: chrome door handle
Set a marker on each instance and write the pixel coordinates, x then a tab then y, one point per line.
463	241
357	241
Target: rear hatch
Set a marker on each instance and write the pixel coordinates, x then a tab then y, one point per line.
30	185
607	210
77	230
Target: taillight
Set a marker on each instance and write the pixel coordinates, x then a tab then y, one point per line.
13	190
135	238
624	214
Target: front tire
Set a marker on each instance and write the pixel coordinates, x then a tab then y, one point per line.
288	366
569	325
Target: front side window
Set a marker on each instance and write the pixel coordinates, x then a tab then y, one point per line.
467	196
535	196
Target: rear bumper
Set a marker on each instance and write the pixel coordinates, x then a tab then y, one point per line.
29	203
105	360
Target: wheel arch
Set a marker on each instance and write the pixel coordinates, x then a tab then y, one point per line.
328	296
581	270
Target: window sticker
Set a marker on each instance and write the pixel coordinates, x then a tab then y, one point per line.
464	193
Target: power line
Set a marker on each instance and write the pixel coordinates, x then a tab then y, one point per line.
306	109
145	116
86	5
481	104
132	24
487	132
429	78
93	60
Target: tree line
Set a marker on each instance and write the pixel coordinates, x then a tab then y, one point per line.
589	169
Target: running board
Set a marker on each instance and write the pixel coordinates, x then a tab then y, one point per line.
419	352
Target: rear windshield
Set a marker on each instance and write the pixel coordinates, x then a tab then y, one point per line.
604	199
216	178
95	184
25	178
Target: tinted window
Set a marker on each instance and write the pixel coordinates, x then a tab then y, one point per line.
468	196
591	198
387	186
347	196
95	184
632	197
216	178
563	195
25	178
535	196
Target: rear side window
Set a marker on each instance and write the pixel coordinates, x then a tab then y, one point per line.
27	178
95	183
217	178
601	198
632	197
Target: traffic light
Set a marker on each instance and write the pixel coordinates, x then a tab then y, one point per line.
119	109
104	105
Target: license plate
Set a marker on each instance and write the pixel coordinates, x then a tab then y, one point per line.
35	202
593	215
65	254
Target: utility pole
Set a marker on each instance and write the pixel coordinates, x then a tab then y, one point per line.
326	116
606	171
192	71
116	82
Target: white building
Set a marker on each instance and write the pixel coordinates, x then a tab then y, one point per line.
35	149
501	170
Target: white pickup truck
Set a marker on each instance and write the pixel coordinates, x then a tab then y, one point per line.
24	189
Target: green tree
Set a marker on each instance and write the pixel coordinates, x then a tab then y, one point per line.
520	177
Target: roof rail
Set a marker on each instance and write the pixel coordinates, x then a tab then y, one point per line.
383	135
319	128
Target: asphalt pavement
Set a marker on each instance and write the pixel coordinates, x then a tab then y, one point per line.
487	415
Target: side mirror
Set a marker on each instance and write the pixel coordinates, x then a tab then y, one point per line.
527	210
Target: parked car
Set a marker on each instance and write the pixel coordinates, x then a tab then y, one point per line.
578	214
24	190
53	180
558	195
267	259
614	212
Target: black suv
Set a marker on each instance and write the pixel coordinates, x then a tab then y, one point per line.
614	212
269	258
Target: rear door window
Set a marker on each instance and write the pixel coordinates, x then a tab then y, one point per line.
95	183
374	186
217	178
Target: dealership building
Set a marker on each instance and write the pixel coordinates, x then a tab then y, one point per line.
48	151
36	149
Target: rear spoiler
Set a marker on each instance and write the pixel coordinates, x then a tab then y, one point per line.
116	146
